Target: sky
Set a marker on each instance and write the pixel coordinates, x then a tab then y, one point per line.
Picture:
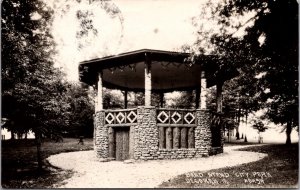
152	24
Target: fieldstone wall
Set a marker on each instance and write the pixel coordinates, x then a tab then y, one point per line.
101	135
203	133
146	134
144	139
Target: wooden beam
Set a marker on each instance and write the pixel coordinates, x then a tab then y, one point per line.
131	142
162	137
176	138
125	99
148	84
169	138
111	143
197	98
191	138
161	98
183	138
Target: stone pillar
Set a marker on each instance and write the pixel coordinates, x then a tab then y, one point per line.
203	91
146	134
148	81
203	133
99	104
219	96
101	135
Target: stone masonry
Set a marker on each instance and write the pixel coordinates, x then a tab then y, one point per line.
145	139
101	135
146	134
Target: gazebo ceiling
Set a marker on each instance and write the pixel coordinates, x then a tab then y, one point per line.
169	70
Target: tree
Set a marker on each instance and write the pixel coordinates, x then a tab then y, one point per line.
260	126
80	120
32	89
266	54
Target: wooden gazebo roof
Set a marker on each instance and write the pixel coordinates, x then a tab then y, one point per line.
170	70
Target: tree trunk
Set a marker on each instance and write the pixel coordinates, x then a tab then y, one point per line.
288	132
237	128
39	152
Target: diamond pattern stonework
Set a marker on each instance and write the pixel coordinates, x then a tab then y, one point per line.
162	117
189	118
131	117
120	117
176	117
109	118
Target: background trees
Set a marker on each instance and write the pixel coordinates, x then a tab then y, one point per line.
32	89
35	94
81	109
266	55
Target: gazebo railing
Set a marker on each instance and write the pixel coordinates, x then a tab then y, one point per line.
121	117
175	117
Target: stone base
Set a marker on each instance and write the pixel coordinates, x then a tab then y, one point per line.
144	138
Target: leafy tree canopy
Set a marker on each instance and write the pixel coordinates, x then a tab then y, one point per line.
266	54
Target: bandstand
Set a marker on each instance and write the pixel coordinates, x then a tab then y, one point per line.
148	132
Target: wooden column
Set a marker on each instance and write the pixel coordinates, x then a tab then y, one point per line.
197	98
161	98
99	104
125	99
219	96
131	142
169	139
183	137
162	137
191	138
111	142
176	138
147	81
203	91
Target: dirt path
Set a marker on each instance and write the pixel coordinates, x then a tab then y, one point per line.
90	173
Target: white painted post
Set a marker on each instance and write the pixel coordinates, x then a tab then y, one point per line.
147	81
203	91
99	104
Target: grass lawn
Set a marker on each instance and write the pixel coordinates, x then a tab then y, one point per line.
19	165
279	169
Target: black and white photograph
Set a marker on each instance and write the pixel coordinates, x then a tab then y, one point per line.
149	94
